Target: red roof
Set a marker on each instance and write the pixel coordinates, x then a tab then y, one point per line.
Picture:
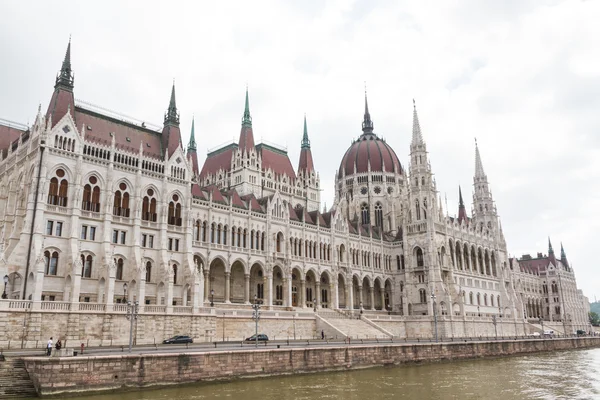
7	136
62	100
127	136
171	136
369	149
277	160
197	191
306	161
219	159
246	138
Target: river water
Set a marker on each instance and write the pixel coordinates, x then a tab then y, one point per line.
556	375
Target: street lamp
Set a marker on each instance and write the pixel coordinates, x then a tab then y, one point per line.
315	305
478	313
361	307
435	316
494	321
132	314
125	292
542	323
256	317
223	327
212	297
4	296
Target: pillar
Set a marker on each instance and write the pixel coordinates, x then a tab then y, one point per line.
270	289
349	297
288	295
206	286
372	296
318	294
247	289
333	288
360	295
303	293
227	287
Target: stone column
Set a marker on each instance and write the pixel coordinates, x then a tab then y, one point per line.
270	290
110	285
335	301
141	288
349	297
288	297
247	289
206	286
227	287
360	295
303	293
372	297
382	294
318	294
169	300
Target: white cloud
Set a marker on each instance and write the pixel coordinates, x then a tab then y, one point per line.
521	76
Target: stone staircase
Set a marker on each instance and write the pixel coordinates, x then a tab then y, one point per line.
355	328
14	380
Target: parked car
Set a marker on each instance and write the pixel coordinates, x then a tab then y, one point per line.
581	332
261	337
178	339
535	334
548	333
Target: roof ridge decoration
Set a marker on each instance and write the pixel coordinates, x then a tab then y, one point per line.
66	78
192	143
247	118
172	116
305	140
479	173
417	136
367	125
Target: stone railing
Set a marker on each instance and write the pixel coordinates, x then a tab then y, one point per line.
120	307
19	304
92	307
56	305
181	310
155	309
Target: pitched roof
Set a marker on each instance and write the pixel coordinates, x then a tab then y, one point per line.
276	159
218	159
8	135
128	136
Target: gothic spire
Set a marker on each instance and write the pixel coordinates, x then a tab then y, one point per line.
563	255
192	143
247	119
305	141
172	116
367	125
66	78
462	211
478	165
460	199
550	249
417	136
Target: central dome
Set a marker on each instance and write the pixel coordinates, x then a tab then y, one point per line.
369	150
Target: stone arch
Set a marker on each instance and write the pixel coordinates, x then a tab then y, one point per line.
342	300
216	276
388	298
378	293
326	297
278	287
311	279
297	279
237	282
257	282
367	291
356	290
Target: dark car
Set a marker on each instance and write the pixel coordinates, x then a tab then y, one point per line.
581	332
178	339
261	337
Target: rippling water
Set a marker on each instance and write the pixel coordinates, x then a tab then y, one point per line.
557	375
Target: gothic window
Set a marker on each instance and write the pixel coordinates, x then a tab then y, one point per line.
58	190
91	195
423	181
174	274
471	298
378	215
51	260
485	300
364	213
422	296
149	206
417	210
175	211
121	201
119	264
478	299
197	229
363	190
148	271
377	190
86	268
419	254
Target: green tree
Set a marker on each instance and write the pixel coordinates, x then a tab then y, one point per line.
594	318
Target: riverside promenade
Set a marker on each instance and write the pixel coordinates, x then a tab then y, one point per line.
110	369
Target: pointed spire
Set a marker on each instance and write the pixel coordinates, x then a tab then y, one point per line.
462	211
563	255
417	136
65	78
192	143
172	116
305	141
550	249
247	119
478	165
367	125
460	199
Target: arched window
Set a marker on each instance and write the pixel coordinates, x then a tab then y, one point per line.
417	210
485	299
471	298
422	296
119	264
121	201
91	195
51	260
364	213
86	268
148	271
58	190
149	206
174	274
419	254
478	299
378	215
197	228
175	211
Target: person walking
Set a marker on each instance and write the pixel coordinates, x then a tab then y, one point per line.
49	347
322	334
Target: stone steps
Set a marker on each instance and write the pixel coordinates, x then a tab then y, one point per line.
14	380
357	329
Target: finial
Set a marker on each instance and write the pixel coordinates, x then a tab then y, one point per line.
479	173
247	119
172	116
192	144
367	125
305	141
417	136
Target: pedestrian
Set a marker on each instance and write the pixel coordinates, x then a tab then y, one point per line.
322	334
58	344
49	347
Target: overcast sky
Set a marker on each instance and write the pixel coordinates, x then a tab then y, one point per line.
521	76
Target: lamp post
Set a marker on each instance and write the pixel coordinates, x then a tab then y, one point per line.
434	316
212	297
223	327
294	319
4	296
132	314
125	292
478	313
256	317
542	323
361	307
494	321
315	305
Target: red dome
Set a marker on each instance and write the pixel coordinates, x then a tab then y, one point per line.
369	149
